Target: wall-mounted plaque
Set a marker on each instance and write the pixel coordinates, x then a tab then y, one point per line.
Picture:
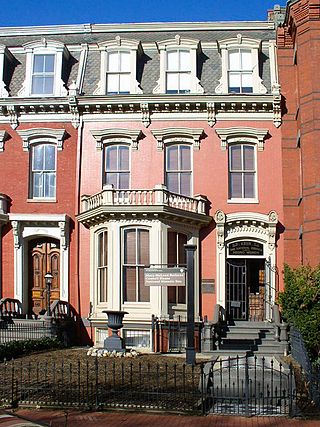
207	286
245	247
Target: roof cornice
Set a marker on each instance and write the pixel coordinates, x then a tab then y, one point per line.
134	27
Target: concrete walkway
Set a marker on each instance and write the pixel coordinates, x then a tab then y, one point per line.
59	418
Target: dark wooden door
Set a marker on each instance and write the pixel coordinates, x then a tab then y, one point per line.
44	256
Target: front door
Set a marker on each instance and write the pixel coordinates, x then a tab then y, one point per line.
44	256
245	289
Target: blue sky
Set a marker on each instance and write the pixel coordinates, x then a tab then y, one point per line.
46	12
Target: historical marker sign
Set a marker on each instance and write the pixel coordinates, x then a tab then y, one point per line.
175	276
245	247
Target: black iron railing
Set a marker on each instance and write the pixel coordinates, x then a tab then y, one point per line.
28	330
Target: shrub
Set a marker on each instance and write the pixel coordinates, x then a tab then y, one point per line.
13	349
300	303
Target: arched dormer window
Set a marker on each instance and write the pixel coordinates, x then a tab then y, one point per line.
240	66
178	66
118	67
44	68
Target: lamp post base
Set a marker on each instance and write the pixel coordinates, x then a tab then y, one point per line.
190	355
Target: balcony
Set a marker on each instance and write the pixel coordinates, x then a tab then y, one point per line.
153	203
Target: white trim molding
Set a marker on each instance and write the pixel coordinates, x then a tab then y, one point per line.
45	47
27	226
117	45
242	134
240	42
116	136
3	136
244	226
179	43
35	135
177	135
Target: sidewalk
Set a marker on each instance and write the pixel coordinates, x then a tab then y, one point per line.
59	418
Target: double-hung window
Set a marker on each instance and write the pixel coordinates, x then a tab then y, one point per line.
135	260
43	171
176	258
178	71
178	169
118	72
240	71
43	72
102	266
242	172
116	169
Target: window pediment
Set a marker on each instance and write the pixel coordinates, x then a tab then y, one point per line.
177	135
242	134
116	136
36	135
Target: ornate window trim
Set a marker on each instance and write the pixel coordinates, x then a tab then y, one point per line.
116	136
42	135
240	42
242	135
45	47
177	135
119	44
179	43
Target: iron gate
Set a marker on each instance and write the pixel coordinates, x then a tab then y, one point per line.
236	290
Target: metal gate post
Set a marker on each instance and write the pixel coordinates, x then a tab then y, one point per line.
190	349
246	386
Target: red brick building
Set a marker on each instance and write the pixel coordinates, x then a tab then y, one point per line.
298	42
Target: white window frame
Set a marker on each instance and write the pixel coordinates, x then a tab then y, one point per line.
45	47
104	267
119	45
180	171
108	145
179	43
242	199
242	43
123	265
32	172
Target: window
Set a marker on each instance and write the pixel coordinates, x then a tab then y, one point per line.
43	171
178	169
240	66
43	75
118	70
136	258
102	266
176	258
178	66
118	74
240	71
242	172
116	169
178	71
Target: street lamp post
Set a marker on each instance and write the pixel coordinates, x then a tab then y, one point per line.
48	279
190	349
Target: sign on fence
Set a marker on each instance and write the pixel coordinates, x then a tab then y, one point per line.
174	276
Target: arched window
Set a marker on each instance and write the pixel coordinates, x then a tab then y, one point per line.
179	169
116	166
136	255
43	171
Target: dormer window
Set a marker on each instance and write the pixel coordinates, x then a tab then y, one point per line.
43	75
178	71
240	73
178	66
118	70
45	61
240	66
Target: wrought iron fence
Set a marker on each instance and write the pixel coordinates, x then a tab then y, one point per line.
33	330
101	384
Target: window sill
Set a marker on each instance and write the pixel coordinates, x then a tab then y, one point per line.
242	201
42	200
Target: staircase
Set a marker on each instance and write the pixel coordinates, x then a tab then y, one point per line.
249	337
